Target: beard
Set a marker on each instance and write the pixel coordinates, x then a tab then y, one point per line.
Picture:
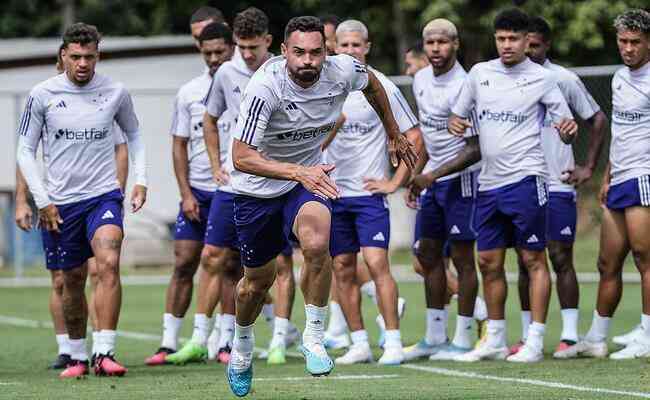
306	75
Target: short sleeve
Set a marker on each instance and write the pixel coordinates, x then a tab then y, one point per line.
555	103
399	106
118	135
181	117
579	99
257	105
215	101
32	119
466	99
473	130
354	73
125	116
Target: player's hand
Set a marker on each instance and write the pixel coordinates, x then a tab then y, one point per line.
422	181
220	176
50	218
457	125
411	196
577	176
379	186
602	194
190	208
568	130
24	216
138	197
399	148
316	180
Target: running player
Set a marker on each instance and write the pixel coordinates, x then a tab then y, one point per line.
564	177
360	217
288	107
625	194
80	201
415	59
509	96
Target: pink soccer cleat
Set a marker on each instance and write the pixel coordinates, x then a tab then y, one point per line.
75	369
160	358
107	366
224	355
514	349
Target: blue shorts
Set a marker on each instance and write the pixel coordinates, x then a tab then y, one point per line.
265	226
221	231
288	250
561	217
446	250
357	222
512	215
631	193
71	248
447	210
194	230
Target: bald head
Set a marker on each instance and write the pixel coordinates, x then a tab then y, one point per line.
440	26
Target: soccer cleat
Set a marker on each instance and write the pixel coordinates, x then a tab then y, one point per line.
240	373
587	349
159	358
562	348
421	349
61	362
484	352
393	355
624	340
318	362
277	355
336	342
213	344
514	349
191	352
105	365
356	354
223	355
449	352
526	354
636	349
293	336
75	369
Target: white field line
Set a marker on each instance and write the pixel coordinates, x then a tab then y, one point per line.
335	377
534	382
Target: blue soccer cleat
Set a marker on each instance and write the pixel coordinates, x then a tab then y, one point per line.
318	362
239	381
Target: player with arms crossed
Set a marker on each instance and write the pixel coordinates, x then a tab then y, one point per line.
80	201
288	107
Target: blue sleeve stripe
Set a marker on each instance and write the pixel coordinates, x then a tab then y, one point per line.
24	121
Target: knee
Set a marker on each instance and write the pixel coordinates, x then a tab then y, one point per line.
344	268
256	287
608	269
535	262
560	260
641	259
429	254
58	282
73	279
490	268
315	248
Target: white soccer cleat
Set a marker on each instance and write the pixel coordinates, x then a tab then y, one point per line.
422	349
624	340
213	344
393	355
526	355
484	352
356	354
336	342
636	349
586	349
449	352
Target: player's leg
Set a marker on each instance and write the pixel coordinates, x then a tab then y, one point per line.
523	287
231	273
75	314
285	333
56	312
92	313
336	335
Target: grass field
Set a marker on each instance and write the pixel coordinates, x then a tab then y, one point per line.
27	350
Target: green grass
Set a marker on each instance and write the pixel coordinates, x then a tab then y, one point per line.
26	352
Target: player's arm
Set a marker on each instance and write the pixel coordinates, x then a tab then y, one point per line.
604	187
330	137
558	108
23	214
122	162
215	106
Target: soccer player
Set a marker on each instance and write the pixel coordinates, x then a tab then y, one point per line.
360	217
197	187
330	22
506	99
415	59
287	109
625	194
564	177
202	17
80	201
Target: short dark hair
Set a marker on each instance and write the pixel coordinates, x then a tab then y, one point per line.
539	25
511	20
216	30
636	20
306	23
417	49
205	13
250	23
82	34
330	19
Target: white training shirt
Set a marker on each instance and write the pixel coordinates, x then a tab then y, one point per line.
75	124
435	95
559	155
359	149
510	104
629	152
288	123
187	122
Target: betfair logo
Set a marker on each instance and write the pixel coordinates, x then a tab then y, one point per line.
82	135
305	134
503	116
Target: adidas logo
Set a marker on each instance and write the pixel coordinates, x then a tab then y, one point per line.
236	90
532	239
485	83
454	230
379	237
61	104
566	231
291	107
108	214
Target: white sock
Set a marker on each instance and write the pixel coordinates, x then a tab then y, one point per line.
78	349
462	336
337	325
201	329
63	341
269	314
216	330
599	329
242	345
393	338
645	324
360	338
370	289
496	332
536	336
226	330
105	342
217	322
171	327
480	309
569	324
436	326
280	331
96	340
526	319
314	324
